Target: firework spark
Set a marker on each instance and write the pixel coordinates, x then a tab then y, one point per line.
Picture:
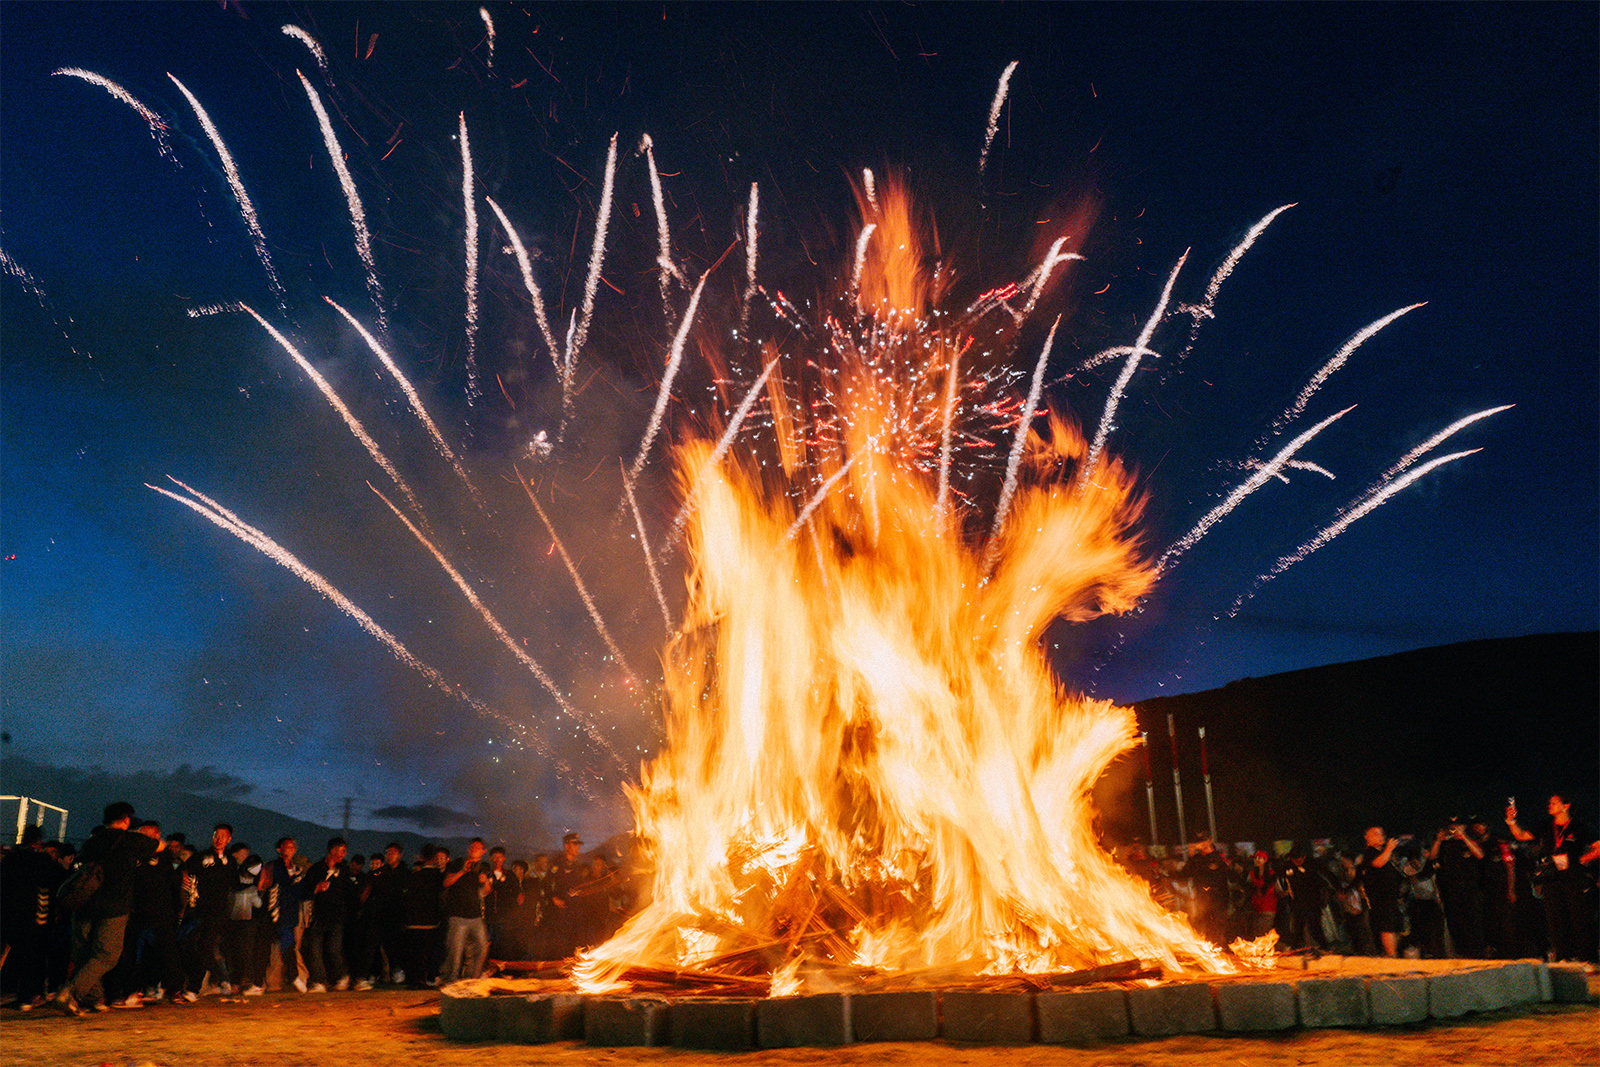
470	276
158	126
664	393
1024	424
1203	310
1338	359
532	286
358	216
579	334
311	44
488	35
994	115
670	271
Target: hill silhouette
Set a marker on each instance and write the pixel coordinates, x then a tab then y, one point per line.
1404	741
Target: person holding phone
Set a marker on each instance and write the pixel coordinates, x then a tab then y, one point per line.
1569	850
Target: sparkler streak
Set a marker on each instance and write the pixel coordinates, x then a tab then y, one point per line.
1140	348
580	335
338	405
1042	276
1439	438
577	580
644	545
488	30
1024	424
158	126
358	217
240	196
500	633
750	236
664	260
470	279
526	268
412	398
1203	311
1244	489
994	115
1338	360
816	499
723	444
311	43
674	359
861	257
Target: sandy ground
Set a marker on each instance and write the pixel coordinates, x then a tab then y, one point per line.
380	1028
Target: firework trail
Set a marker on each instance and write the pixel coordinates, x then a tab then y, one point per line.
1202	311
861	259
1140	348
644	545
579	334
470	280
207	310
870	185
227	520
669	269
1438	439
500	633
246	208
1292	465
1333	364
358	217
411	397
577	580
311	44
488	30
750	234
1244	489
1042	275
712	461
338	405
674	359
994	115
816	499
526	268
31	284
1024	424
1345	518
158	127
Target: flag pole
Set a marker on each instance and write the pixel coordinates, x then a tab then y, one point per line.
1205	772
1177	785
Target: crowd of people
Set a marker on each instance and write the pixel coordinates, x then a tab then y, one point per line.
157	918
1472	890
139	915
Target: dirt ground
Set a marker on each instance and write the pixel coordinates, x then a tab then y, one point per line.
380	1028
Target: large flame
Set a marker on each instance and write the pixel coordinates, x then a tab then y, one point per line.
869	762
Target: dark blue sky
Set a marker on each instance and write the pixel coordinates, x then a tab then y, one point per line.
1443	153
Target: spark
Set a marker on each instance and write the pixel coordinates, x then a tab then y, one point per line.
358	217
1140	348
469	202
674	359
994	115
1042	275
577	580
240	196
1333	364
1439	438
311	43
526	268
861	257
338	405
870	184
1244	489
750	234
644	544
488	30
723	444
580	334
411	397
158	127
1203	310
669	269
816	499
1014	460
1343	521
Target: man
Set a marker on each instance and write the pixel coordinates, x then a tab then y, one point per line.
1568	847
280	882
1381	880
421	914
466	940
216	876
245	964
1208	873
331	888
150	951
386	906
98	926
566	874
1460	862
29	876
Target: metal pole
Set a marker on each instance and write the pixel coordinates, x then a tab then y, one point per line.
22	817
1205	772
1177	785
1149	783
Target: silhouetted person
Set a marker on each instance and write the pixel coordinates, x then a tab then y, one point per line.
1569	850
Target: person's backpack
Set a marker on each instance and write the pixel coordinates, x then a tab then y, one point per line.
81	885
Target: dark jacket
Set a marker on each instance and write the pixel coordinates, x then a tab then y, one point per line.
119	852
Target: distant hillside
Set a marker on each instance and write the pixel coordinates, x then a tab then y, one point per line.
1404	741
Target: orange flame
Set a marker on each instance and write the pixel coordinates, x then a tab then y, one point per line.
869	762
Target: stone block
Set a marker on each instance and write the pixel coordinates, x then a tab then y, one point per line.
1255	1005
1397	998
986	1018
469	1018
625	1021
1330	1002
1522	982
1178	1008
814	1021
1541	975
726	1024
910	1015
1569	983
541	1018
1451	994
1073	1016
1491	988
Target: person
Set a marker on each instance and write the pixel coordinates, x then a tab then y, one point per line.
280	883
150	952
245	964
29	876
1381	881
1307	893
422	914
214	877
1459	860
1569	850
385	911
1499	892
99	924
1262	881
566	874
330	888
1207	872
498	877
466	940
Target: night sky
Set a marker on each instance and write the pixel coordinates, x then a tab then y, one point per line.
1439	153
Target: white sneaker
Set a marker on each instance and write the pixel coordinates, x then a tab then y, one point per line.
300	984
342	984
190	995
363	985
208	990
397	977
318	988
132	1000
254	990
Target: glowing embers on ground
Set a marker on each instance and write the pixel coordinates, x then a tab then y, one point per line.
869	762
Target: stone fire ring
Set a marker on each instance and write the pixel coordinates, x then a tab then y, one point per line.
1330	992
